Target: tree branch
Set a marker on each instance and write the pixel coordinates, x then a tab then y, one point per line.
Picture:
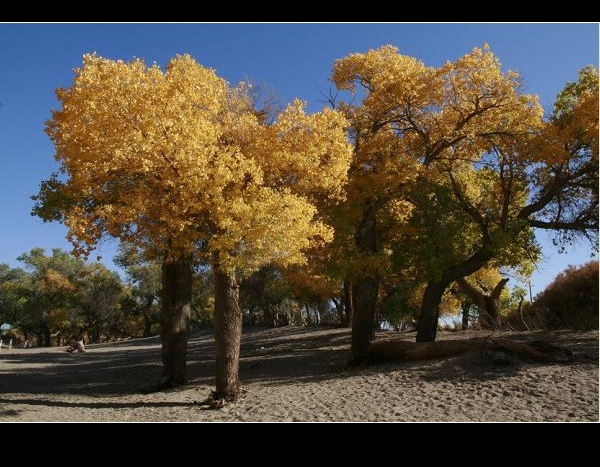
498	289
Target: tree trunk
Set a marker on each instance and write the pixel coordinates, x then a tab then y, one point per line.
466	307
348	303
320	311
493	302
488	305
430	307
339	309
430	311
47	334
366	289
520	310
365	301
147	324
228	335
147	312
175	320
307	309
492	310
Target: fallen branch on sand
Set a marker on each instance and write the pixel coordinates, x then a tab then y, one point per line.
498	350
77	346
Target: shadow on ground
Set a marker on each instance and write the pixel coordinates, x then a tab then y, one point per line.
134	366
271	356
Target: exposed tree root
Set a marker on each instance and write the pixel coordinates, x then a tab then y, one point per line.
498	350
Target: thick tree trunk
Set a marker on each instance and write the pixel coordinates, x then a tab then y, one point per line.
430	311
365	289
430	306
491	313
365	301
493	302
348	304
175	320
228	335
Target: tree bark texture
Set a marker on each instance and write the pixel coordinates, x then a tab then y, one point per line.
228	335
365	289
348	304
365	300
430	311
175	320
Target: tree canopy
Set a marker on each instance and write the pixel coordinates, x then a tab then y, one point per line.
180	164
169	160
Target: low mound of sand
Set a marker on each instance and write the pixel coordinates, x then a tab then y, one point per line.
300	374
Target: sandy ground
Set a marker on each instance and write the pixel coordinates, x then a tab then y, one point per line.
299	374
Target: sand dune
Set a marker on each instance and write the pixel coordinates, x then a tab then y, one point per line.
299	374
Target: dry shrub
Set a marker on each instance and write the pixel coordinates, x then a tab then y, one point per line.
570	301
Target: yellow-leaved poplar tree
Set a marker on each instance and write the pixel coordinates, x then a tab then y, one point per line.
180	164
412	124
485	169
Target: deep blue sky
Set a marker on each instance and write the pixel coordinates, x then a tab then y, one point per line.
295	59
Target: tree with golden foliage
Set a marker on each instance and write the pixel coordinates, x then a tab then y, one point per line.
547	181
180	164
465	163
414	124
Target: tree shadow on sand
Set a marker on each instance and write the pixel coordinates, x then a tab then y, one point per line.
134	366
268	356
88	405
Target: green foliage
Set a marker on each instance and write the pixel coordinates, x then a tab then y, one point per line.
203	296
398	308
440	233
143	274
99	294
15	285
60	295
263	294
143	291
510	301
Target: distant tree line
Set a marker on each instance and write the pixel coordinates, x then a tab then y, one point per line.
54	299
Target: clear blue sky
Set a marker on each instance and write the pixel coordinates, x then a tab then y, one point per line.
295	59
